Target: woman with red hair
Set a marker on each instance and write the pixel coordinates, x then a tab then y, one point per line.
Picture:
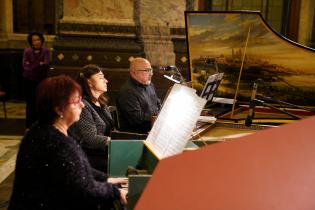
52	171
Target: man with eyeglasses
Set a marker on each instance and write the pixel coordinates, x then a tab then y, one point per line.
137	101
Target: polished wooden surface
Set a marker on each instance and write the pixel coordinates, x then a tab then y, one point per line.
272	169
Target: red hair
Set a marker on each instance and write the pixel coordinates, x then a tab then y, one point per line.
54	92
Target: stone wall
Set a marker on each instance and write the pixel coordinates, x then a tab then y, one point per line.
129	27
108	33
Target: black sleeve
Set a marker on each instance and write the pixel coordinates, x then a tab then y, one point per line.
85	130
72	173
99	175
130	106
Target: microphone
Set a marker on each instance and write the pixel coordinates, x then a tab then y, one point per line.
169	68
172	79
252	104
176	77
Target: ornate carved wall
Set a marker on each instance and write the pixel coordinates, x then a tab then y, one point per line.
116	30
109	33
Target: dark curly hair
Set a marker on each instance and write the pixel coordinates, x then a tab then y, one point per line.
29	38
86	73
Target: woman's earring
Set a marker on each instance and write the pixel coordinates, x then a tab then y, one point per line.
60	116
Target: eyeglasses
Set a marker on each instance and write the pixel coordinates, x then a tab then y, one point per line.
150	70
76	101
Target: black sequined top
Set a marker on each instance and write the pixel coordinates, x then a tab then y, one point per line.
52	172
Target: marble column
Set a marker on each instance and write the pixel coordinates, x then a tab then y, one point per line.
6	19
154	21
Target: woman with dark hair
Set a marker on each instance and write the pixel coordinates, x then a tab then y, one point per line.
36	61
94	127
52	171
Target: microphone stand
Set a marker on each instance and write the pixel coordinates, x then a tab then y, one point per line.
254	102
177	77
286	103
180	80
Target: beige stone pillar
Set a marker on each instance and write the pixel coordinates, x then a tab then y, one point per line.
6	18
155	20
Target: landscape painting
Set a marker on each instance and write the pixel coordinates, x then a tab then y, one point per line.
282	69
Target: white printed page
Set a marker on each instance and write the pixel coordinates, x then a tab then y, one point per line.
176	121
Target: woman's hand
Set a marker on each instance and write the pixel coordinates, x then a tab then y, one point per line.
119	181
123	196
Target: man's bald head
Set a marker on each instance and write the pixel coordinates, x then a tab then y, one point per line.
141	70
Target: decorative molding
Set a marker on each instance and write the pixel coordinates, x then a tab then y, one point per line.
119	38
178	33
191	5
58	13
96	29
96	43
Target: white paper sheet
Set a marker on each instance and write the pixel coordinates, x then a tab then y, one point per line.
176	121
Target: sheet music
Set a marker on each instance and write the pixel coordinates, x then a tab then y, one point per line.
176	121
211	86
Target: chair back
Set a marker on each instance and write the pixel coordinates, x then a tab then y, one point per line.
3	99
114	113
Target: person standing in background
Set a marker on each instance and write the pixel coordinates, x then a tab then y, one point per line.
36	60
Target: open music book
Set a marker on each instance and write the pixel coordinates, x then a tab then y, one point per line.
176	121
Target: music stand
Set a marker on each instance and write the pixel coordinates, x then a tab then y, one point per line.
211	86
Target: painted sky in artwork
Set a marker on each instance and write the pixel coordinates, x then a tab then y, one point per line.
216	34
